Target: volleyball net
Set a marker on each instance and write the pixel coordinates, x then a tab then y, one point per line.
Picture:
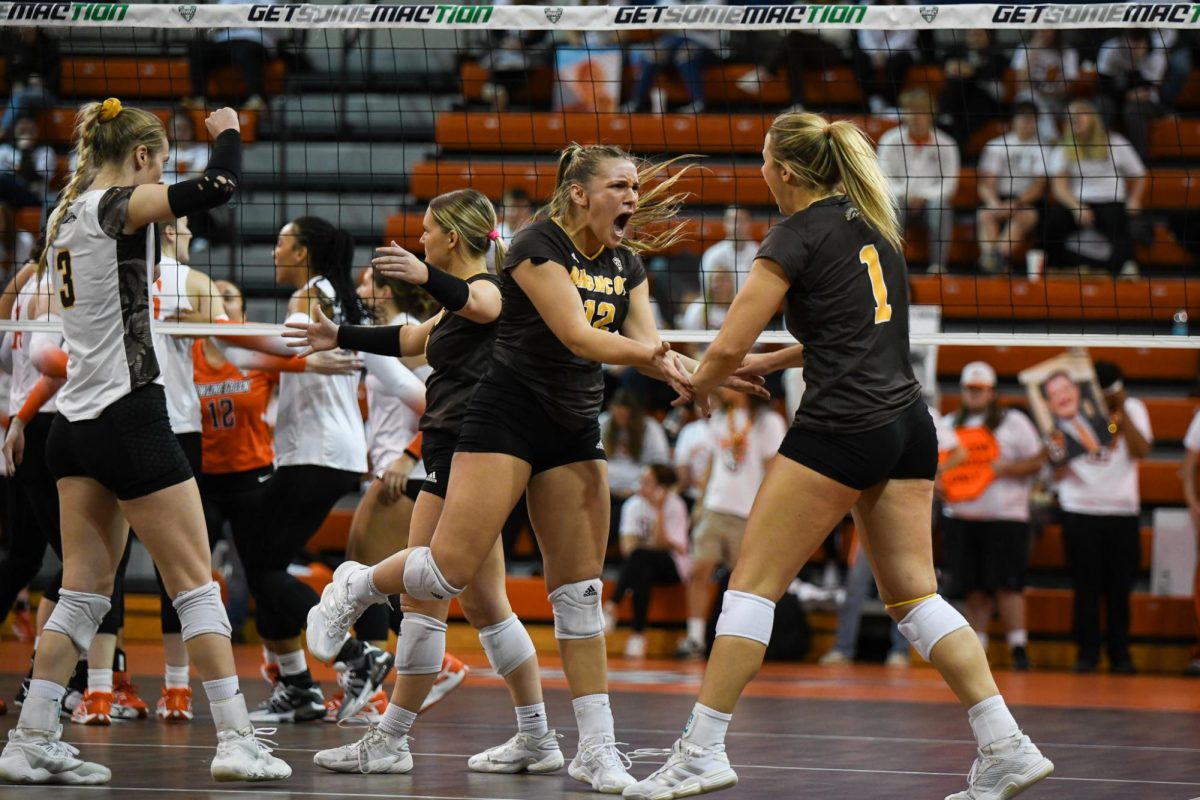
1042	155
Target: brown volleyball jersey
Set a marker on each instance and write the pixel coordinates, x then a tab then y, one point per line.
569	388
848	306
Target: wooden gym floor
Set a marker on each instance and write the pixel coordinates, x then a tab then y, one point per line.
803	731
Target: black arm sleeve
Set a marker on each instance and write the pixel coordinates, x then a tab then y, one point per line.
381	339
216	186
453	293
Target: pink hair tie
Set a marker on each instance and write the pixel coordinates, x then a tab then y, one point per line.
493	234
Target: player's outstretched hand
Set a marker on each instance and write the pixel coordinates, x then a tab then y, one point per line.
335	362
315	336
394	261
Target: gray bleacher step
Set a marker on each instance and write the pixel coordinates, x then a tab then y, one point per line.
261	214
358	116
348	167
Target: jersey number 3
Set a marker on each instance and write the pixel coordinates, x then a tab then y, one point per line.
869	256
63	264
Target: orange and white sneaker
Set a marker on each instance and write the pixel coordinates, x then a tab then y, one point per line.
126	702
453	673
94	709
332	705
175	705
371	712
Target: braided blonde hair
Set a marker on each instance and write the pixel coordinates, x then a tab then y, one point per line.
105	133
657	207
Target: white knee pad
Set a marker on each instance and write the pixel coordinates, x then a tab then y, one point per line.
507	645
421	645
78	615
577	612
422	578
746	616
201	611
929	622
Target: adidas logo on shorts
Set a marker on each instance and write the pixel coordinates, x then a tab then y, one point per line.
600	445
590	592
431	477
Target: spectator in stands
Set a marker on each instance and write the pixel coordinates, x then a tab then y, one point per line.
708	311
1131	72
1100	500
189	157
31	162
1191	460
654	543
517	209
723	270
689	51
859	583
632	441
16	246
1046	73
973	93
32	73
797	52
1012	188
882	59
693	449
1098	182
510	57
922	165
247	49
744	434
987	525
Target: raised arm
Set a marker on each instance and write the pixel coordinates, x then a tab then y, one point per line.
155	202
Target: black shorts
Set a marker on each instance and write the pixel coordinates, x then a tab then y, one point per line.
505	417
903	449
129	449
437	451
985	555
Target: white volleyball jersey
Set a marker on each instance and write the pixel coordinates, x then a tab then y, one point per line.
24	374
168	297
102	277
318	421
391	424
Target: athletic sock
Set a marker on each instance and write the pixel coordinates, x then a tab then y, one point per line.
100	680
532	719
221	688
362	587
593	715
292	663
991	721
177	677
46	690
397	721
696	628
1018	638
706	726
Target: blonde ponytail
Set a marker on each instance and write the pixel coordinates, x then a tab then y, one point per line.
104	133
828	156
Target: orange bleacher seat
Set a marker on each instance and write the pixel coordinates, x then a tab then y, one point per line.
1172	188
124	77
1189	98
57	125
1139	364
1055	297
835	86
925	76
28	220
227	83
1177	137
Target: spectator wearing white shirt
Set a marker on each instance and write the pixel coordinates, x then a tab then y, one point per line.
743	436
1012	187
922	166
188	156
1191	460
654	543
632	440
1046	73
693	448
1098	181
987	535
735	253
1101	506
31	163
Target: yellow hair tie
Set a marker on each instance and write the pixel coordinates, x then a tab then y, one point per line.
109	109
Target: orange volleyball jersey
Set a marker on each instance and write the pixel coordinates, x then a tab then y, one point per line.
233	408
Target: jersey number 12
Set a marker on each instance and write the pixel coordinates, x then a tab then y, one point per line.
869	256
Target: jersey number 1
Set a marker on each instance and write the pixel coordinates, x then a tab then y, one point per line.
869	256
67	292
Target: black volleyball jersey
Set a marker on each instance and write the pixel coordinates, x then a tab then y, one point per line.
570	389
848	306
459	352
